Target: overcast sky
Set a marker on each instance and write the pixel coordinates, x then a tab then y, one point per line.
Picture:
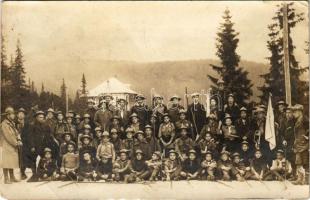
62	35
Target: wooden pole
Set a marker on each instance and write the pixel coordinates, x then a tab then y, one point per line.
67	100
286	60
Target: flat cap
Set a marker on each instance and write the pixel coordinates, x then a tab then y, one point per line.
140	96
175	97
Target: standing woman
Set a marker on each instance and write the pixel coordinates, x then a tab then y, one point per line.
9	142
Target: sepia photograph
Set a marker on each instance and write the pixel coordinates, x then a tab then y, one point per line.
154	100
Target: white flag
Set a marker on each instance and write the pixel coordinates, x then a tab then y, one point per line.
270	135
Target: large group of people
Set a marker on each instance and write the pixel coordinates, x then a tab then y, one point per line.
111	142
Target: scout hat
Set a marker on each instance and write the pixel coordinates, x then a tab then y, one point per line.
192	151
77	116
69	115
166	115
227	116
115	117
86	136
259	109
140	97
147	126
231	95
21	110
133	115
139	151
121	99
207	152
281	102
175	97
280	151
211	116
288	108
245	142
47	150
236	154
182	111
71	143
51	110
183	127
113	130
86	126
98	128
123	151
139	133
173	151
195	94
225	152
105	134
298	107
40	112
157	96
157	153
220	81
243	109
104	96
90	101
9	110
86	115
67	133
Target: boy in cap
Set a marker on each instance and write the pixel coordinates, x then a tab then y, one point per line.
141	109
175	108
116	141
230	134
183	144
151	139
70	163
87	147
105	148
208	143
196	113
61	127
258	166
301	143
280	168
190	167
128	143
138	168
166	134
246	154
224	166
240	171
86	121
208	167
47	169
172	167
182	121
97	137
63	146
154	123
121	167
141	144
87	168
154	166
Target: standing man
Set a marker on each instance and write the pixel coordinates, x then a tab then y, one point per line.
159	108
220	94
105	113
301	143
50	119
197	115
38	132
174	110
141	109
122	112
10	142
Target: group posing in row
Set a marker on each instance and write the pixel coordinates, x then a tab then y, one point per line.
113	143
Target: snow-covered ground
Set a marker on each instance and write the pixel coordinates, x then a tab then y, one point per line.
154	190
158	190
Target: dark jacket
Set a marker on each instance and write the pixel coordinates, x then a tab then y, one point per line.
197	116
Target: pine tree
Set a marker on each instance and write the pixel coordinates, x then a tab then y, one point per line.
274	79
63	90
42	88
18	70
83	85
4	66
234	76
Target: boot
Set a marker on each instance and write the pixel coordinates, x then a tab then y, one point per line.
23	174
6	176
301	177
12	177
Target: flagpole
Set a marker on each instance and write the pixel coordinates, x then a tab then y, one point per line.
286	60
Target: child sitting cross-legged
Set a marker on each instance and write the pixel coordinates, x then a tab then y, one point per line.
69	164
47	169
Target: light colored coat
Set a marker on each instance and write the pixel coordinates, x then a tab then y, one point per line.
8	142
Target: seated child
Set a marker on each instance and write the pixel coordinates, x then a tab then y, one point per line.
97	137
207	143
138	167
67	139
70	163
154	166
224	166
239	170
258	166
172	167
128	143
47	169
87	147
121	167
280	168
190	167
208	166
87	168
246	154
